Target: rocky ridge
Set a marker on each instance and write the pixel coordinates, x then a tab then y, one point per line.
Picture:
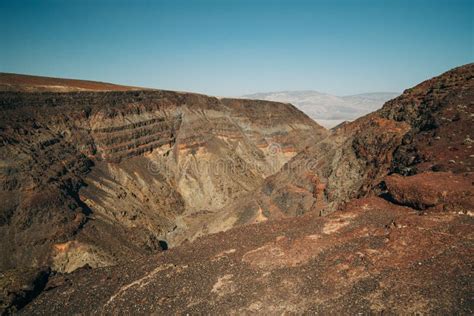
27	83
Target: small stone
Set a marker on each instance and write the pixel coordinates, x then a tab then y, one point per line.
452	161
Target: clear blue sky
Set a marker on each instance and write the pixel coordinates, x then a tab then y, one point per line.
232	47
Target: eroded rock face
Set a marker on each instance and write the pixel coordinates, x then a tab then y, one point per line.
427	128
440	112
19	286
97	177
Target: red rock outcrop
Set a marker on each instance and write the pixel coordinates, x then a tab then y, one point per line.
442	191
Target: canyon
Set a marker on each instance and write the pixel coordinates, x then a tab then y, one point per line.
94	177
259	208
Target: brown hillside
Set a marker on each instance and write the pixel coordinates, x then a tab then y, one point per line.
26	83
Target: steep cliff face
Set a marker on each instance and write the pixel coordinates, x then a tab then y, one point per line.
97	177
427	128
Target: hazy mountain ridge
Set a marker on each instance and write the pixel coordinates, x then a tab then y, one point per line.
329	110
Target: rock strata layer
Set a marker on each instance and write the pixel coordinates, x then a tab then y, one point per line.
94	178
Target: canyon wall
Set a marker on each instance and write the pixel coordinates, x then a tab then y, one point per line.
426	129
98	177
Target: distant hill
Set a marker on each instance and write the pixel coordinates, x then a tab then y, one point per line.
329	110
27	83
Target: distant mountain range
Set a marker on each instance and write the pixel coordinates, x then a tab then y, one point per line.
326	109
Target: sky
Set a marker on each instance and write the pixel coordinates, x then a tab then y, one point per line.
232	48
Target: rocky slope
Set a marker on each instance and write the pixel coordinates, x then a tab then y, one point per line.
372	257
396	187
93	178
427	128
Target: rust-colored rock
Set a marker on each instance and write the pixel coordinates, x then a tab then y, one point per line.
371	257
429	190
